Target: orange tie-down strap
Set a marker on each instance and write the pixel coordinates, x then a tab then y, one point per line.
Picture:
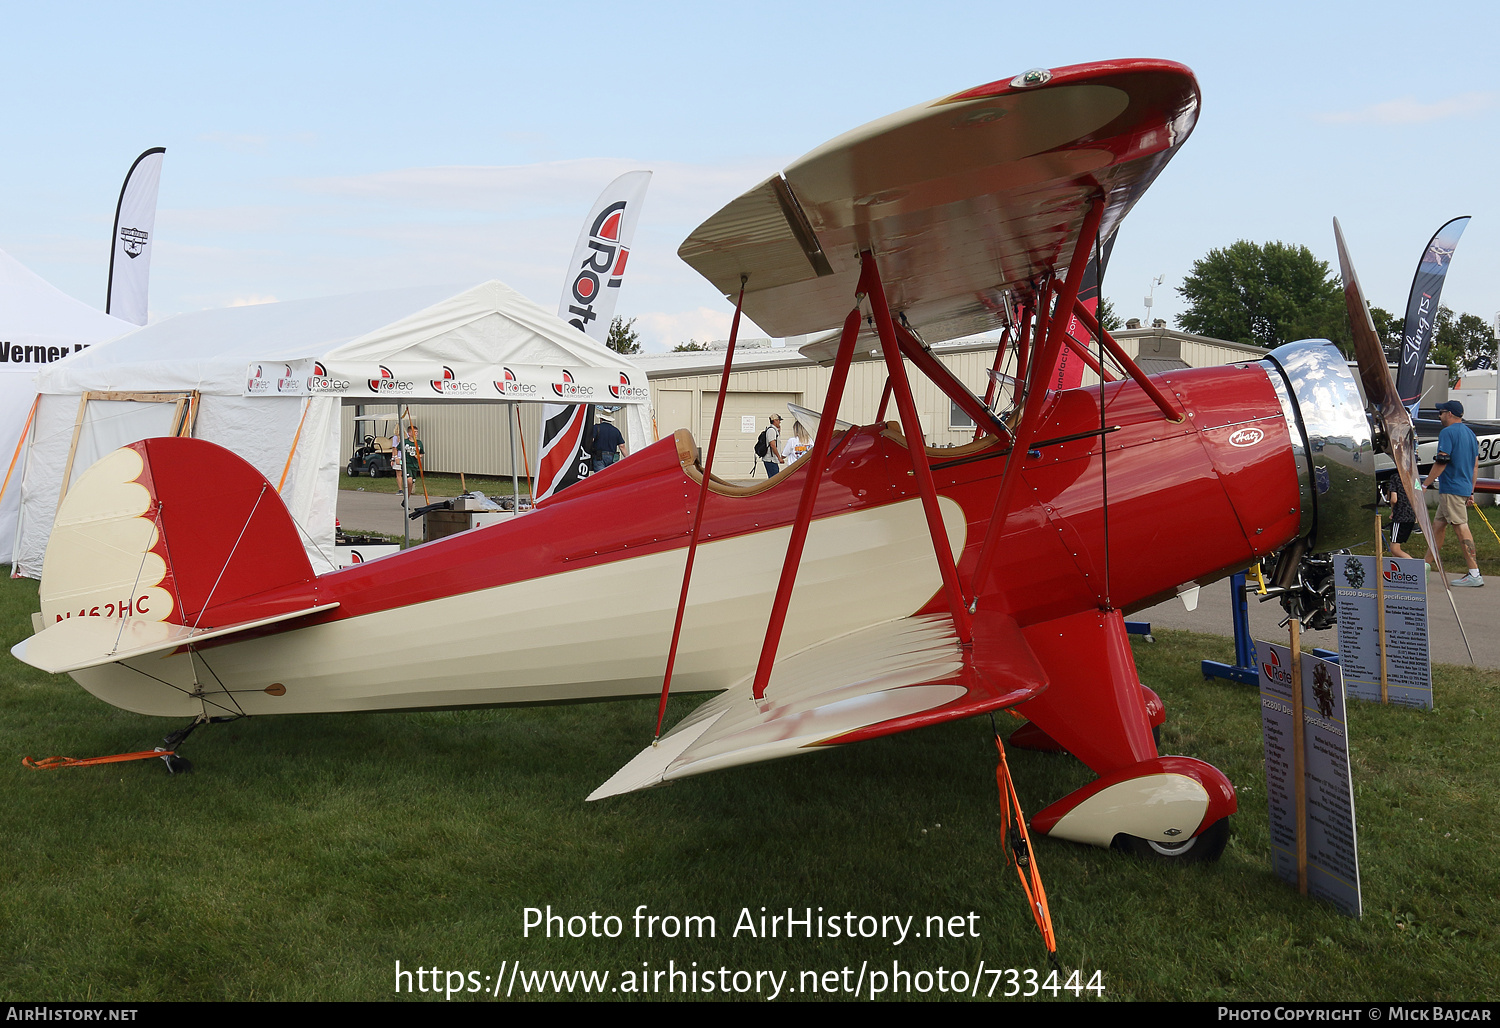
53	763
1020	853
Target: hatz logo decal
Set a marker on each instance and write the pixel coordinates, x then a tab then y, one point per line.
570	390
512	386
626	391
134	240
1246	437
606	258
448	386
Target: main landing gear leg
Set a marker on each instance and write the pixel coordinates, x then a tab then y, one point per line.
1168	808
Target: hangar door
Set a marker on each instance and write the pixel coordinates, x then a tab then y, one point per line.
746	414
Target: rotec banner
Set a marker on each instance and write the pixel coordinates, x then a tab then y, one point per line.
411	380
599	257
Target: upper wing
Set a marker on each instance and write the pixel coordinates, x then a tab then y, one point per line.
882	679
961	198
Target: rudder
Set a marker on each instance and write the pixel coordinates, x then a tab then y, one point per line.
172	529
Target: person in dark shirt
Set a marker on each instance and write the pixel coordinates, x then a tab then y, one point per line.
608	445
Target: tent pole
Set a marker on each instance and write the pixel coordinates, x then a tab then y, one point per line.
515	472
405	492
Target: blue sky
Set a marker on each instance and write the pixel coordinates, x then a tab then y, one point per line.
327	148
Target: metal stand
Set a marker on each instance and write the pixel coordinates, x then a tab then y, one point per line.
1243	669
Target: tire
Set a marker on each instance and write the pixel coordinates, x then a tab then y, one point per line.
177	765
373	470
1205	846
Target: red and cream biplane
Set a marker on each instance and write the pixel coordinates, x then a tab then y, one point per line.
874	586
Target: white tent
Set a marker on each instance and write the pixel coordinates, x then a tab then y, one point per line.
264	381
39	324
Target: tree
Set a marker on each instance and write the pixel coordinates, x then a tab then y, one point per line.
622	337
1462	342
1270	295
1108	319
691	344
1390	329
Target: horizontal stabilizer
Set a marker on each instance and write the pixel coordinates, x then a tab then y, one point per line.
82	642
885	678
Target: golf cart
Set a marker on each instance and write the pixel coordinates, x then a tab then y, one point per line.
372	454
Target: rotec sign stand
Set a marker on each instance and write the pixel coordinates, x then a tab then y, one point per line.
1380	604
1309	791
1299	753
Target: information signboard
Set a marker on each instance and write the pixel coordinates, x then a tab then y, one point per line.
1408	668
1332	851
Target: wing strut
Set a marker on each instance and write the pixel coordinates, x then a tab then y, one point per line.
1023	344
815	468
917	352
1130	367
916	446
1045	357
992	388
708	467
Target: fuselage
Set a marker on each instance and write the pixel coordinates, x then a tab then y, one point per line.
575	600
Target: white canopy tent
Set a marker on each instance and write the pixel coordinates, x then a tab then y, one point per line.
39	325
267	381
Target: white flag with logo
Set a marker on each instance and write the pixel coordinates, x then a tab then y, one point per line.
598	264
588	304
135	221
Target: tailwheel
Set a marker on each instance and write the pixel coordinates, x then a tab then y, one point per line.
177	765
1207	845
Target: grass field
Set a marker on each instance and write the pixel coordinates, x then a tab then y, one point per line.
438	484
1484	523
307	855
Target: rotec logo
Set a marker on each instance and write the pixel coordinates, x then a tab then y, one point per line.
388	383
606	258
319	382
571	390
447	385
1246	437
1275	671
257	382
625	391
286	383
510	385
1395	576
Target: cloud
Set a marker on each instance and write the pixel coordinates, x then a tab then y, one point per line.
1409	111
452	224
665	330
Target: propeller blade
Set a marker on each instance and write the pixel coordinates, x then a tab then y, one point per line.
1392	416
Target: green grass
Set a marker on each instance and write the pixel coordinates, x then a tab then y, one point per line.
1484	522
307	855
438	484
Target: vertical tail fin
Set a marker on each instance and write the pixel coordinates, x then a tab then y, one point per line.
175	530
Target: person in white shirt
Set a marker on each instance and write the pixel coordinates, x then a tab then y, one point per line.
798	443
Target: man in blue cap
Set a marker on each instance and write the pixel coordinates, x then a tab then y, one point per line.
1455	468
